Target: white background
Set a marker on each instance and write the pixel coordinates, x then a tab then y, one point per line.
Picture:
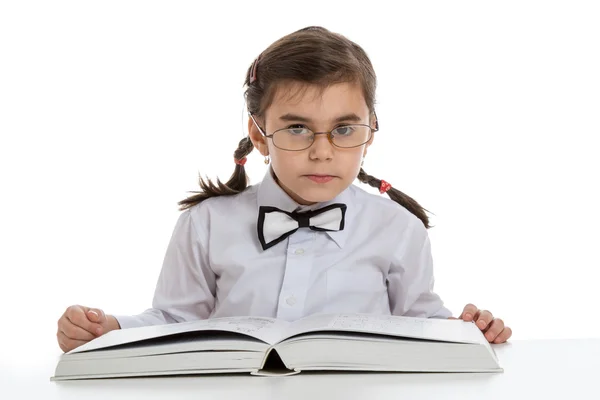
489	118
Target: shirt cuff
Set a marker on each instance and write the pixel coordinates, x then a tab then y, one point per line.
129	321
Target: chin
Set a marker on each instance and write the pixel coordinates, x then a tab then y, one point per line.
317	196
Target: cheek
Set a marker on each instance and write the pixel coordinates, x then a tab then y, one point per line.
287	160
353	160
352	167
286	165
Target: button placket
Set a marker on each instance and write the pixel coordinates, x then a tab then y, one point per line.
291	300
297	276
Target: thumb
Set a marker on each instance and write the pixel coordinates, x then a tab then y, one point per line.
96	315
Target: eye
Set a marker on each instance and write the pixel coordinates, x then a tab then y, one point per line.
346	130
298	129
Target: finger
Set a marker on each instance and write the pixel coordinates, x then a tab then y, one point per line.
485	318
494	329
67	344
76	316
504	335
476	316
75	332
468	312
95	315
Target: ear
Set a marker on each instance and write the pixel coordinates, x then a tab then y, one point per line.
374	121
373	124
257	138
370	142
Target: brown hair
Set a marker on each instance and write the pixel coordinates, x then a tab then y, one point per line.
315	56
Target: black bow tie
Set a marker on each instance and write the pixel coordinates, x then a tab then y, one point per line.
274	225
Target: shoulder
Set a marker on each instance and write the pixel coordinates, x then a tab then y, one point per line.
381	211
376	204
228	207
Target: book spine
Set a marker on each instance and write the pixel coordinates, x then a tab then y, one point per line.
273	365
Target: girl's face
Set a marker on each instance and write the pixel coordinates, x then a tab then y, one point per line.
322	171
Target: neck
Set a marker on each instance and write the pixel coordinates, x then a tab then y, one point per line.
293	195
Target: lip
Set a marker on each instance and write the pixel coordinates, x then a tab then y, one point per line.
319	178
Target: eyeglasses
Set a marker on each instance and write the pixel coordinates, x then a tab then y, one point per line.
297	139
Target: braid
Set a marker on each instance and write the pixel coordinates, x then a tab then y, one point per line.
237	183
404	200
245	147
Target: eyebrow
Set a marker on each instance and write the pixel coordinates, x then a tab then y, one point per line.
293	117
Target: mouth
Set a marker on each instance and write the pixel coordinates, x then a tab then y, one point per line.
320	178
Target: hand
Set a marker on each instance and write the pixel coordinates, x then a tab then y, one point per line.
493	328
78	325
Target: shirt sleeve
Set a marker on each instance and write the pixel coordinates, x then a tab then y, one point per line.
410	279
186	285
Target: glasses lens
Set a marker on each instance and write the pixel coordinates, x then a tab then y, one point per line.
351	135
293	139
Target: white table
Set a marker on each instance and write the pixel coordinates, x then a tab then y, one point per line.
545	369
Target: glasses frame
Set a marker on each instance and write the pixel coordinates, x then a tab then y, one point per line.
329	134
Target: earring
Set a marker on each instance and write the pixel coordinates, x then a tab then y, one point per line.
267	160
362	162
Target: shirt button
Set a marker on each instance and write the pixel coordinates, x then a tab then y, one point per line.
299	251
291	301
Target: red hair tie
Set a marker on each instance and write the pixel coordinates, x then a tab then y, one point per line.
384	187
240	162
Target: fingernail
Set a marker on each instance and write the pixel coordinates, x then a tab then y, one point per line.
468	316
481	323
98	331
94	312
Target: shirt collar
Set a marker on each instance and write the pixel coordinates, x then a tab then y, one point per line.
271	194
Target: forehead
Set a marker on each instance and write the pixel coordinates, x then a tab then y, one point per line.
319	102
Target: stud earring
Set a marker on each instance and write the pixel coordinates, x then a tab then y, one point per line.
267	160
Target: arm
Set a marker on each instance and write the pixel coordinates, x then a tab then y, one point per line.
410	286
410	279
186	285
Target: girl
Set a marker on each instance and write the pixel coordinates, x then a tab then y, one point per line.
304	240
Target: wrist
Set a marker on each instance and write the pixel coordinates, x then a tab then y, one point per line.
113	324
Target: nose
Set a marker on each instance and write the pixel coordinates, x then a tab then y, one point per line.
321	149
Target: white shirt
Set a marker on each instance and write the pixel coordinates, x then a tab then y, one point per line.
214	266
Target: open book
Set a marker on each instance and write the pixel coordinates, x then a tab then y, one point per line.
266	346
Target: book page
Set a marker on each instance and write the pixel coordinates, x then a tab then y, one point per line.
409	327
262	328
